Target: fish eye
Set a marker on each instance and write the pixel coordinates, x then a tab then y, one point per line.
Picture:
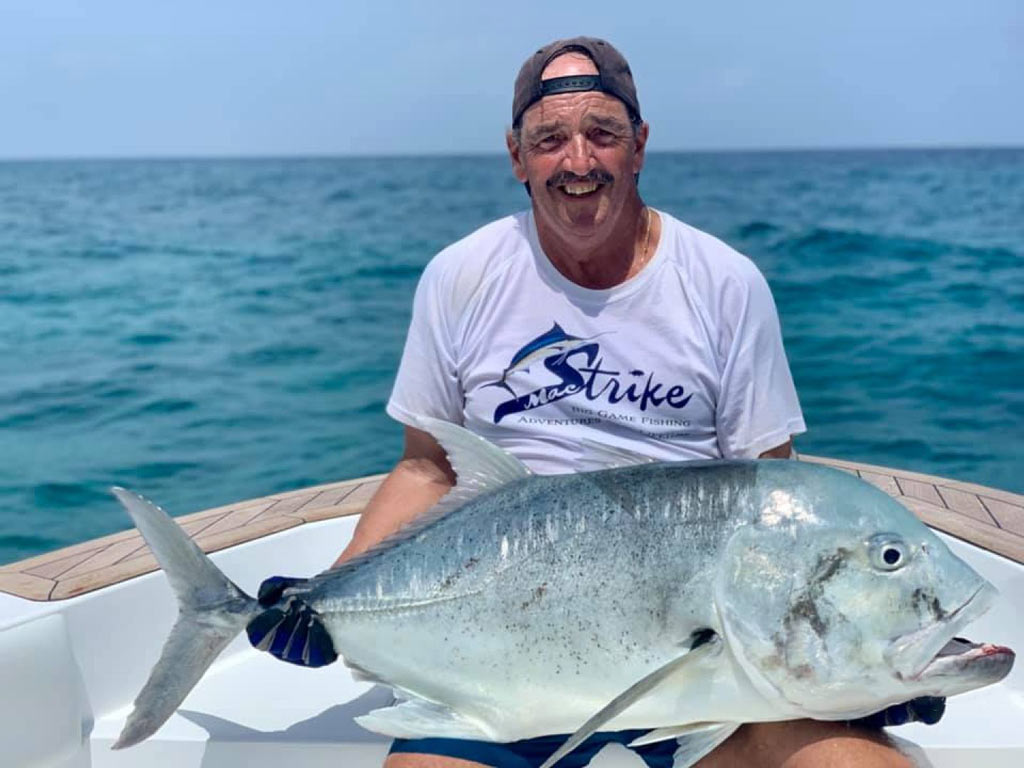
888	552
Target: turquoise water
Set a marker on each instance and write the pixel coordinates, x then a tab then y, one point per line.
208	331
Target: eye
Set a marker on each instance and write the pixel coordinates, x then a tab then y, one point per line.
602	137
552	141
888	552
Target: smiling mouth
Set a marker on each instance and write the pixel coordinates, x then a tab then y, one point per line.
580	188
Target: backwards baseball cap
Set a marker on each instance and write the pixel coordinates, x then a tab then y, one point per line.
613	78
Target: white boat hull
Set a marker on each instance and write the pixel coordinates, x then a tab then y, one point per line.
71	669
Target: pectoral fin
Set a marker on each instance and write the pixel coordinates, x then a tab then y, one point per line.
704	644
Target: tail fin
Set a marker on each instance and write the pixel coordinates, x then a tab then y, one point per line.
212	610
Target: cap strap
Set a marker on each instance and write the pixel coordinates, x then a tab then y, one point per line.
570	83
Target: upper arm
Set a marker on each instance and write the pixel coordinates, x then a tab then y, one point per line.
758	411
427	382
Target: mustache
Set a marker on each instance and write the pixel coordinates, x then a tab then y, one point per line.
597	176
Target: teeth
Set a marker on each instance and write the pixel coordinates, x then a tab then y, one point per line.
580	189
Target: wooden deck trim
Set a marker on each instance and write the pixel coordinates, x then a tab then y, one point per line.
964	510
987	517
98	563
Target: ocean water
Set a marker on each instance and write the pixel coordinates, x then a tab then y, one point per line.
208	331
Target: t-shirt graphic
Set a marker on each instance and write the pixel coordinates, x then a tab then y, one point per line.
577	368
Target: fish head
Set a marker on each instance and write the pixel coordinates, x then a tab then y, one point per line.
838	601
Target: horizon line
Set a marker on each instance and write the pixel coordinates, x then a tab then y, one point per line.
172	157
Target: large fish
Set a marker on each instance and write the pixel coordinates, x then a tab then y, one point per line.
682	597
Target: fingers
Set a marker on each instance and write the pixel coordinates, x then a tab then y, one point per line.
296	635
924	709
927	709
271	589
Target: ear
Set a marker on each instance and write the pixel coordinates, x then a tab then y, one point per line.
515	153
641	145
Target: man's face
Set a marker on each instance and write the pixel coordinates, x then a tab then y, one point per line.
579	153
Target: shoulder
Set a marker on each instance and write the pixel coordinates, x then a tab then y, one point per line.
460	271
709	262
727	288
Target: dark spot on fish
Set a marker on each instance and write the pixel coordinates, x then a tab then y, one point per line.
471	562
538	593
802	671
701	636
805	609
930	603
829	565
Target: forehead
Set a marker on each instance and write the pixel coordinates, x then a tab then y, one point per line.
569	63
575	105
574	108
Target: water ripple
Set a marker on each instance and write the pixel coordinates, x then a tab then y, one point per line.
208	331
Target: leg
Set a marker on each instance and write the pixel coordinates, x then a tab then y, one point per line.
806	744
527	753
418	760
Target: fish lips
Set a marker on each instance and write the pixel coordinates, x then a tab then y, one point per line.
936	649
981	661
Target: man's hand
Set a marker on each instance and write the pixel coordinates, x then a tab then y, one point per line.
289	628
924	709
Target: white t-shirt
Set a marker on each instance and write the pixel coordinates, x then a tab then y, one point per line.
683	360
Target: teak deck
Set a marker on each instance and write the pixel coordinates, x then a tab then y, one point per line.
990	518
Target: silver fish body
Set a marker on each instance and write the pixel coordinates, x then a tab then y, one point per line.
526	610
530	603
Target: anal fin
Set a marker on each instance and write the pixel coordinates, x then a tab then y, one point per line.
673	732
693	746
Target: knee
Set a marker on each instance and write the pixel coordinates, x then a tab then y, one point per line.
807	744
417	760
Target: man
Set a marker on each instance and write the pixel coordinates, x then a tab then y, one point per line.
593	317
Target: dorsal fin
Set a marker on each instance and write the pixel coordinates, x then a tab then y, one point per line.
479	465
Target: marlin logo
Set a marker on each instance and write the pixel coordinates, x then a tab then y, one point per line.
555	342
578	368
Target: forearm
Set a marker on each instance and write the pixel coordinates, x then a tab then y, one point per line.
412	487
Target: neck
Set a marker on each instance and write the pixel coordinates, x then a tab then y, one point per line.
603	259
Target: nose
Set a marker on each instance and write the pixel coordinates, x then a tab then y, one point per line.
577	155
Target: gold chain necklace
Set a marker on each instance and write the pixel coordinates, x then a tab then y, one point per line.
644	255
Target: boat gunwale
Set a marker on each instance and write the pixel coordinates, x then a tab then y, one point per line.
989	518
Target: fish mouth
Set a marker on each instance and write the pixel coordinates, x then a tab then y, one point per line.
984	660
938	650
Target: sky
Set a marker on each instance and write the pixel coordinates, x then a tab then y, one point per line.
141	78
